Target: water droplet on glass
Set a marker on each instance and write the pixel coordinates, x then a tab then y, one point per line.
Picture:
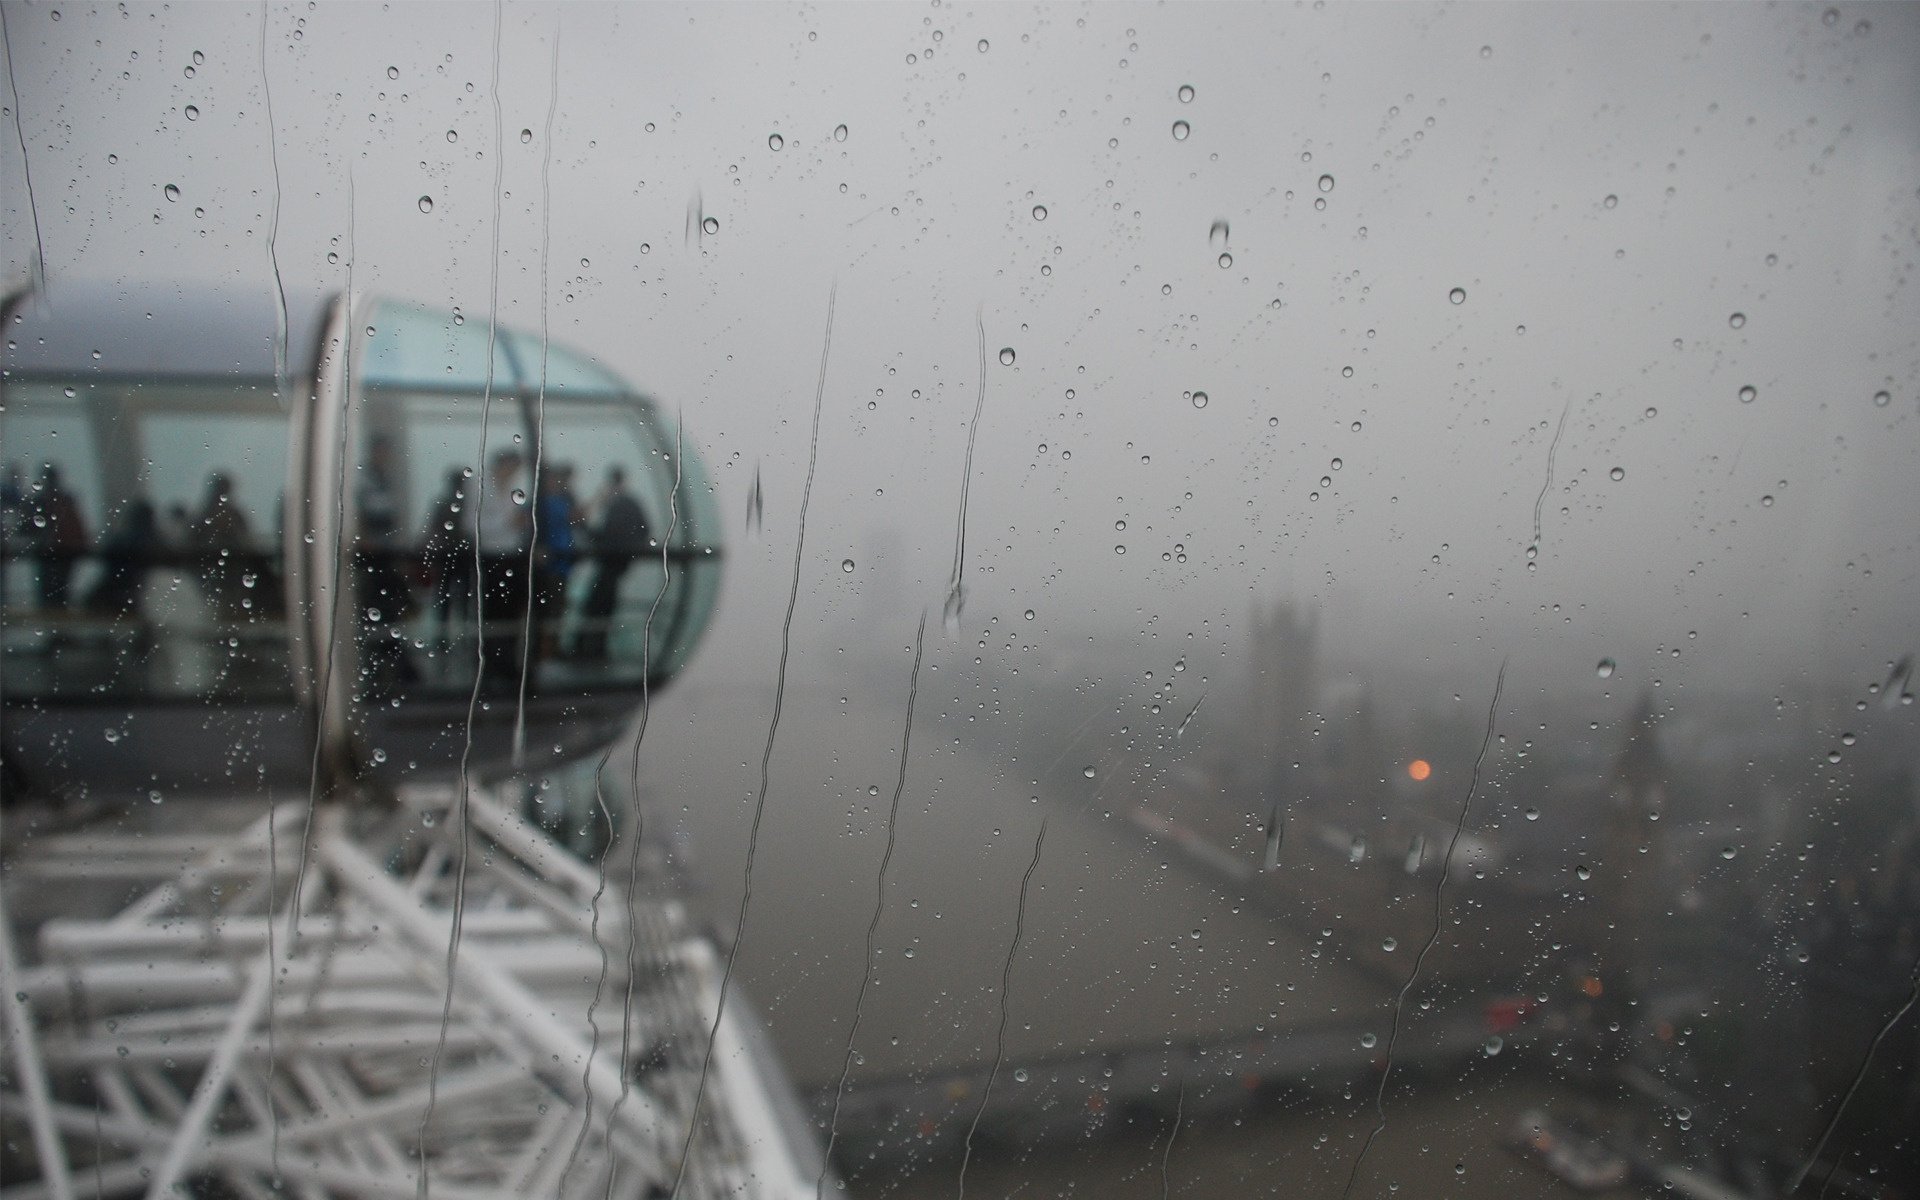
1728	852
426	204
1006	356
1582	872
1029	614
526	135
981	45
1493	1045
1747	394
113	735
1199	399
1882	399
452	135
171	192
1737	320
1611	200
1458	295
1617	474
775	141
710	226
1019	1073
1186	93
1039	212
1390	944
393	72
1180	131
1119	549
1368	1040
1226	260
1087	771
839	133
846	564
193	114
1605	669
1326	183
154	797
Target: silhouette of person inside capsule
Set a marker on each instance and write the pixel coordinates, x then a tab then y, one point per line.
500	528
554	554
385	596
57	531
447	548
619	539
220	539
126	550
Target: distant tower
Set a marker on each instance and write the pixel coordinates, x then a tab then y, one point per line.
1629	894
1282	685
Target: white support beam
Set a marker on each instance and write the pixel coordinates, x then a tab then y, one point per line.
24	1037
488	981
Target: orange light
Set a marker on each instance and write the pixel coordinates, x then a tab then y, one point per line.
1419	768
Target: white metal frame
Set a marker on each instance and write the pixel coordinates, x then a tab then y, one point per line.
198	1033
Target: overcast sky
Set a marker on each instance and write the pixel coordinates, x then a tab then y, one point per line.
1618	180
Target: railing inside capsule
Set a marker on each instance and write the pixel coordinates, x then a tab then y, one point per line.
158	623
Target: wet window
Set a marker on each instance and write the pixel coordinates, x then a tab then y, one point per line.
920	600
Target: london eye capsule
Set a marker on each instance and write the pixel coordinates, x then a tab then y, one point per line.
388	540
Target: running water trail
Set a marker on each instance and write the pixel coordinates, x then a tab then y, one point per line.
1859	1077
633	845
1439	895
1166	1159
756	505
600	985
1188	719
273	222
539	406
325	665
766	755
1276	831
462	816
1006	982
273	992
1894	690
280	394
957	586
879	905
1540	501
39	280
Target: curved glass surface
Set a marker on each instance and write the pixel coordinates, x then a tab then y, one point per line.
527	548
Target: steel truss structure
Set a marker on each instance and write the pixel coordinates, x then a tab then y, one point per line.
199	1036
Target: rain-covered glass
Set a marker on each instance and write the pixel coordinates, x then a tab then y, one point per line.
928	600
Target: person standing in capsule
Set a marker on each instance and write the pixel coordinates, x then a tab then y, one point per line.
500	530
